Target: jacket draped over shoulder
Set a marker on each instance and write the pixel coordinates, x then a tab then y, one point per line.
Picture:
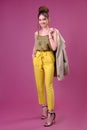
61	64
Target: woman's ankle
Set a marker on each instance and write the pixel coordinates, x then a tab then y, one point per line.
44	111
44	105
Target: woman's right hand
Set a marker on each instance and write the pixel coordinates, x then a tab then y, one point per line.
33	55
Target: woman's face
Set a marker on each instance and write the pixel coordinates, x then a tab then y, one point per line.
43	21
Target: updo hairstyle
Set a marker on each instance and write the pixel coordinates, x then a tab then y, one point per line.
43	10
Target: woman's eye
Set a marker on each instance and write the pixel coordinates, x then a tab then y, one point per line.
42	19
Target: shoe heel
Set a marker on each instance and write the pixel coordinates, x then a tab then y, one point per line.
52	122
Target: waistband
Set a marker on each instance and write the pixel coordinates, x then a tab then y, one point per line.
44	50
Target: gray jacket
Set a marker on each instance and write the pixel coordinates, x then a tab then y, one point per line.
61	64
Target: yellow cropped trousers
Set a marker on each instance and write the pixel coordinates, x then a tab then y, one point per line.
44	73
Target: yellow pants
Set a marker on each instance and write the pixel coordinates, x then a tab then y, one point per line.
44	73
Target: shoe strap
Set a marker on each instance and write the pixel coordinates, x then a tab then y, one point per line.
44	106
52	112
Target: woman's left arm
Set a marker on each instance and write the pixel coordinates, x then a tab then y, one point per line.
53	38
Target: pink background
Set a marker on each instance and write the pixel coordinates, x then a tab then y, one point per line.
19	107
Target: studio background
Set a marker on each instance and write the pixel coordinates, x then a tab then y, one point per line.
18	96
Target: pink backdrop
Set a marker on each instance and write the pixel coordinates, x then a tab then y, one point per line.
18	22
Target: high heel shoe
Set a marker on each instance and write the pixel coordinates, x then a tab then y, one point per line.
51	119
45	109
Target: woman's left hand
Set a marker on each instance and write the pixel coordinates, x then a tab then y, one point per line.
51	32
53	38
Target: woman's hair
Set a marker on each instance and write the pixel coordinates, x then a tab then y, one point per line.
44	11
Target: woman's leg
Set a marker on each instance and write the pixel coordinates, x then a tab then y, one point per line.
49	76
39	78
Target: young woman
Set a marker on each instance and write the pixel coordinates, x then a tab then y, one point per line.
43	61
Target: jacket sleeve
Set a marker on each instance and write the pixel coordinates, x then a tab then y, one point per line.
66	64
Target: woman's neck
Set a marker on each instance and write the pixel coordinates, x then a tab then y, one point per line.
45	28
44	31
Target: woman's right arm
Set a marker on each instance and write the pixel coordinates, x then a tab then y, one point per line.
34	48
